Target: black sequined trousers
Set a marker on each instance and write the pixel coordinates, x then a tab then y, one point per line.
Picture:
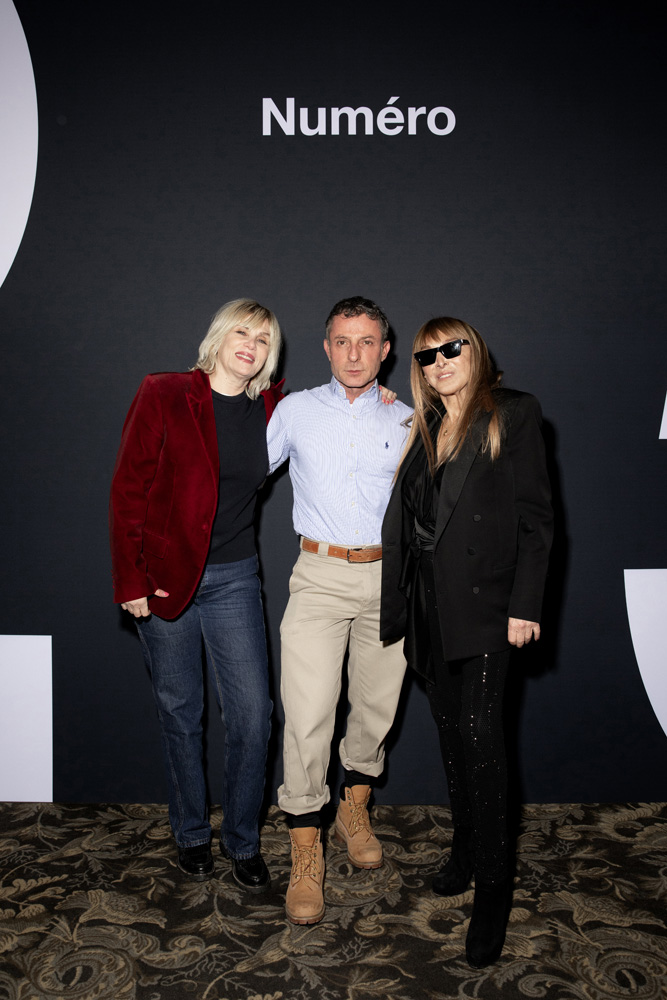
467	705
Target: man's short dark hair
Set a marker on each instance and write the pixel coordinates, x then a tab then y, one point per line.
356	306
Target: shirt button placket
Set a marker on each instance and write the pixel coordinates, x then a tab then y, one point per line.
352	465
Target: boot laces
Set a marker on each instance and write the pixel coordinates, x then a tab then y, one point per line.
359	818
305	862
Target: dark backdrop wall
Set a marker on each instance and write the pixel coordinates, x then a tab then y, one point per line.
539	218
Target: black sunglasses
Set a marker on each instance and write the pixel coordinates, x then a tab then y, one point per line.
451	349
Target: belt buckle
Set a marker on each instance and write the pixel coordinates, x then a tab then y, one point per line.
358	549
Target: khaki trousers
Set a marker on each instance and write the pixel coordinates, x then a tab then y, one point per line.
334	604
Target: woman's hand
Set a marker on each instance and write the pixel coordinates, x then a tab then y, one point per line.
139	608
519	631
387	395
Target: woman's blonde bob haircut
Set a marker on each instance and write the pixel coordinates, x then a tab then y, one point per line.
479	399
248	314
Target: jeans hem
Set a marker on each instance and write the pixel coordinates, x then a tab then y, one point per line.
237	857
197	843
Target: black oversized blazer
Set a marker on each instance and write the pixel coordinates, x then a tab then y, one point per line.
492	538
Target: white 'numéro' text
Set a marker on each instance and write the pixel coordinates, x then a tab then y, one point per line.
391	120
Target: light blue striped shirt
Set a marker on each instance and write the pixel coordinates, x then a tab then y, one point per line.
343	457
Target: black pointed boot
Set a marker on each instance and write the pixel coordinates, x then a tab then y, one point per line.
488	923
454	877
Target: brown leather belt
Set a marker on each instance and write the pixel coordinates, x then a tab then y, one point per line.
369	553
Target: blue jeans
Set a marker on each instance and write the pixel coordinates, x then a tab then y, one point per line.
226	613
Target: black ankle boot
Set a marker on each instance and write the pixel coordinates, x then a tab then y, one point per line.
454	877
490	913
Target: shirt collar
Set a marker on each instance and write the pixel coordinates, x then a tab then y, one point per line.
371	395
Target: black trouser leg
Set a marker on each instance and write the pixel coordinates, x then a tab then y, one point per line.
466	702
445	707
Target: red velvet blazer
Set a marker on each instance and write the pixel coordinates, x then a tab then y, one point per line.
164	492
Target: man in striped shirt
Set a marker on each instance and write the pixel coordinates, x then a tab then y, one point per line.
344	445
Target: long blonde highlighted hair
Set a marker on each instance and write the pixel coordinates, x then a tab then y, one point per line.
248	314
484	377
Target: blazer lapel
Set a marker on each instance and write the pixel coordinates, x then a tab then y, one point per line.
201	407
455	474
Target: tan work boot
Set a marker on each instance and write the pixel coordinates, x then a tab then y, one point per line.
353	827
304	903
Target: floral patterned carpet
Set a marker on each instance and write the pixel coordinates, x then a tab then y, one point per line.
93	907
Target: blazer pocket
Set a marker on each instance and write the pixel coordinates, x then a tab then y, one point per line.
504	569
155	544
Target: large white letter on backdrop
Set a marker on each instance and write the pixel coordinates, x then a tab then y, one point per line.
18	134
646	600
26	719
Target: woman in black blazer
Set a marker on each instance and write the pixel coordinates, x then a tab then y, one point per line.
466	540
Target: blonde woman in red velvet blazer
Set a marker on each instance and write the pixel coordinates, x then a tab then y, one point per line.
192	457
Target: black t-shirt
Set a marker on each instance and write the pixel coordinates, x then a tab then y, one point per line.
244	461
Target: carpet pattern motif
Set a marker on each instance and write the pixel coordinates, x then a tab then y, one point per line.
93	907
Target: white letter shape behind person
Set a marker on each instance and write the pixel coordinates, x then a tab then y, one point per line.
18	135
646	600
